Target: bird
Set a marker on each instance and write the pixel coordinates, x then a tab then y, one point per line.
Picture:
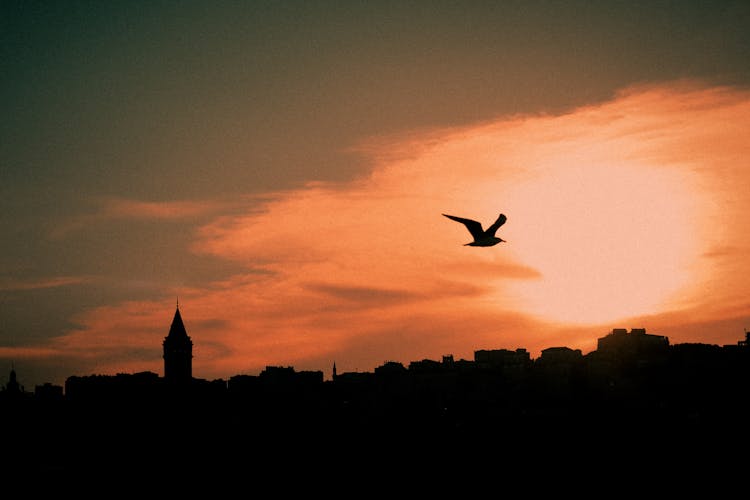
482	238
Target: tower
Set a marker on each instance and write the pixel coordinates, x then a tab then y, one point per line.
13	386
178	352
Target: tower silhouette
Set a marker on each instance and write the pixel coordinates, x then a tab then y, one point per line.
178	352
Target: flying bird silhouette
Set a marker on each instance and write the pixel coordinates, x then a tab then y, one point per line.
481	237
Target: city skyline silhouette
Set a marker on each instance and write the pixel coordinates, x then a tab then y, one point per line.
177	349
635	388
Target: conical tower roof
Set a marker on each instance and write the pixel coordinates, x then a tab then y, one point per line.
177	329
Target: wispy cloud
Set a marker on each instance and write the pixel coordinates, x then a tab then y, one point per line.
375	297
113	208
124	208
53	282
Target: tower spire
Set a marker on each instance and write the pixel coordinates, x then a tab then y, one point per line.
178	351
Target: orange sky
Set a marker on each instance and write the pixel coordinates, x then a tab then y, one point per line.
630	213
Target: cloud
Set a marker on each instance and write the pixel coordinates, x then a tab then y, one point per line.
53	282
124	208
114	208
366	296
611	211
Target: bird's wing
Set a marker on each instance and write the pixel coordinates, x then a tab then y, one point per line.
474	227
494	227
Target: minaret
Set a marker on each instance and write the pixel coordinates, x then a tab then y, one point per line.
178	352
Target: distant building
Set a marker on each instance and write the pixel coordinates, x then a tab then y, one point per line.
502	357
624	363
13	387
178	352
119	387
48	392
559	356
558	370
746	341
390	368
634	343
13	391
510	363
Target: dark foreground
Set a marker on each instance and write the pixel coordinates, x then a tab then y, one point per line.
180	444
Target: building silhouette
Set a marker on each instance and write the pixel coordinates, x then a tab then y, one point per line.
13	391
178	352
13	386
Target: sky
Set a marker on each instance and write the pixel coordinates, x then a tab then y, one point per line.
280	170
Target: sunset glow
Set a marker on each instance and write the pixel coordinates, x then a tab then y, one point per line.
282	170
609	219
604	225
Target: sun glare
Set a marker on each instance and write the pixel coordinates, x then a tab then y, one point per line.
610	241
